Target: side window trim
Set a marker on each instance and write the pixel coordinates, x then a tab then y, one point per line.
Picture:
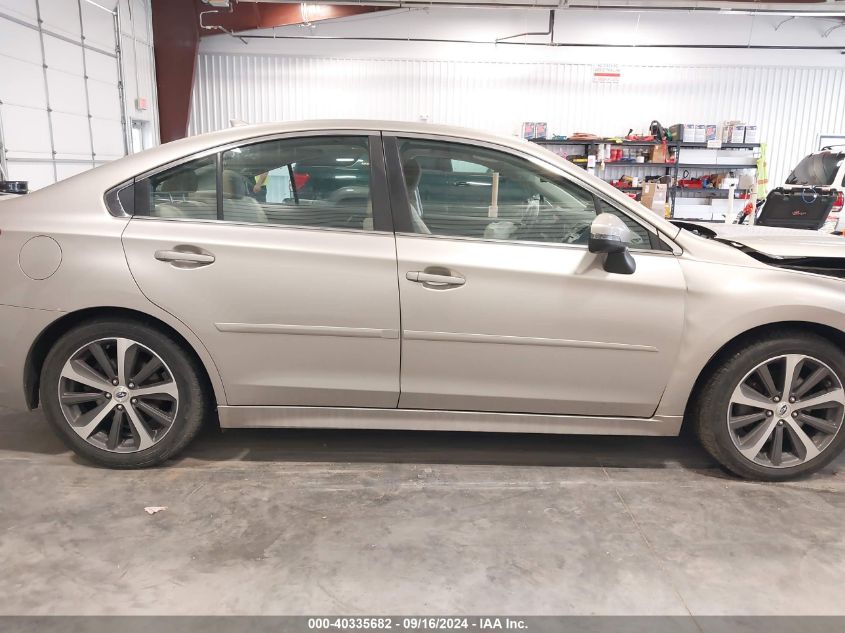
379	190
218	184
400	204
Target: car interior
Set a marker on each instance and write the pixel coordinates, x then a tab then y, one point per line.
487	194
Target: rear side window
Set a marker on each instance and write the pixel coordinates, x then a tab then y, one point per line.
319	181
817	170
188	191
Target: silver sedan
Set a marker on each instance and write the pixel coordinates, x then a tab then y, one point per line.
361	274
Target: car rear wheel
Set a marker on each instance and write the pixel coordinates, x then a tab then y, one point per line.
122	394
774	409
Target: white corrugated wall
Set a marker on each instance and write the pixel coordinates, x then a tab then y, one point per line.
790	105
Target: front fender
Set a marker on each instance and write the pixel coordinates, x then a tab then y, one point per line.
726	301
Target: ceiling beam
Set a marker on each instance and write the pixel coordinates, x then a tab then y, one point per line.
246	16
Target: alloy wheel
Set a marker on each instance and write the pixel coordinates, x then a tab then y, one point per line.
786	411
118	395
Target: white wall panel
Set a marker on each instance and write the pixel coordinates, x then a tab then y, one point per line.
26	132
108	139
67	92
55	122
791	105
20	9
28	83
62	55
62	17
98	25
137	47
102	67
36	174
71	138
66	170
105	100
18	41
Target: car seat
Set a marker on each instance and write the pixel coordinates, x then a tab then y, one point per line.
237	205
413	174
173	194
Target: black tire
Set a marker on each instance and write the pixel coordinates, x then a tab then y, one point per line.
710	408
193	405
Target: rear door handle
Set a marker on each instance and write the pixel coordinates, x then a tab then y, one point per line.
422	277
185	257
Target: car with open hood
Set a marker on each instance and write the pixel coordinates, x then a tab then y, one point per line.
812	197
467	283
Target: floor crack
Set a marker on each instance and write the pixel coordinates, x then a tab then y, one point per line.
651	550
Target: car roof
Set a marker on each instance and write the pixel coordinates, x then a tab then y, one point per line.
168	152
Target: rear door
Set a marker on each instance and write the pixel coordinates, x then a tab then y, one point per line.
294	296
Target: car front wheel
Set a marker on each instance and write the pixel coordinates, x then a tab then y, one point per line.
774	408
122	394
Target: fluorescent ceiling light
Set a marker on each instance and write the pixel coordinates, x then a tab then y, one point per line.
99	6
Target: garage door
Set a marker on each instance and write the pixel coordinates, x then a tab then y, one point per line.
60	101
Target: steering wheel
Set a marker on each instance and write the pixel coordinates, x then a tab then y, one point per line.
579	234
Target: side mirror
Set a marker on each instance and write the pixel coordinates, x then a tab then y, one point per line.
609	235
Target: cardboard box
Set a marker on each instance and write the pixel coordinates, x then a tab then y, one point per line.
654	197
711	132
528	130
751	134
658	154
700	133
541	130
738	134
689	133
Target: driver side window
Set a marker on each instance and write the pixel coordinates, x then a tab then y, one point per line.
466	191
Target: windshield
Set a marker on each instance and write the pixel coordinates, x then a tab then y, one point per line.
817	170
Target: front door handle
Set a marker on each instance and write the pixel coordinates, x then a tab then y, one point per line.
422	277
185	257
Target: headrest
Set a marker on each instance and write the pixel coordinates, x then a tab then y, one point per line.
413	173
185	181
233	184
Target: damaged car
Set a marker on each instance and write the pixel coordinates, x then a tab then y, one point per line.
408	276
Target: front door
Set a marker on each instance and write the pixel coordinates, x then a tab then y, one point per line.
503	307
291	286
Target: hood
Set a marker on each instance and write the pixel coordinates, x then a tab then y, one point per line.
773	242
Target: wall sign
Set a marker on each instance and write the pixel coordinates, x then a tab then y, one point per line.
606	74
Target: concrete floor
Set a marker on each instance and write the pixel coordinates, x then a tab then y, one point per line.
322	522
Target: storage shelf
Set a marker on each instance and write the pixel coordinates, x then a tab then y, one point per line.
712	166
683	192
689	192
723	146
620	163
671	168
681	144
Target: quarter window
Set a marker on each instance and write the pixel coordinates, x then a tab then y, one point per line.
461	190
188	190
312	182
